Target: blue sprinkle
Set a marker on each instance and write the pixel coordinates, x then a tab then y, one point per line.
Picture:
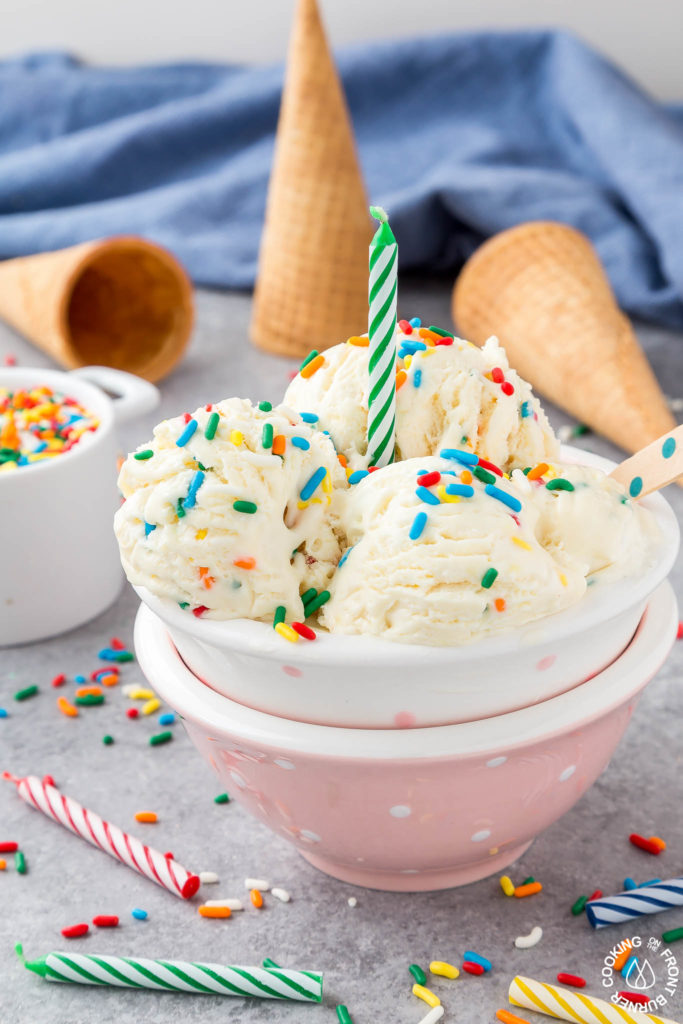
344	557
356	477
467	458
474	958
149	528
187	433
301	442
3	713
167	719
427	496
107	654
462	490
313	483
419	523
629	884
526	410
22	461
628	966
80	680
417	378
139	915
652	881
197	481
410	347
309	417
40	447
415	322
507	499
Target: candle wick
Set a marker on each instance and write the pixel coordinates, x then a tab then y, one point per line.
379	214
8	777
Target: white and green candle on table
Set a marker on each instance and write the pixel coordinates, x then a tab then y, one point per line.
382	344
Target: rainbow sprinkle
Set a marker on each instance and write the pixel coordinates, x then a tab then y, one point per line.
502	496
312	484
38	424
187	433
196	483
419	523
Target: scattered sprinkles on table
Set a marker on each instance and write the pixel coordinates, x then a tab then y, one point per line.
37	424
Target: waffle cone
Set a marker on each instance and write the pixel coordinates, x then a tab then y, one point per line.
542	290
312	283
121	302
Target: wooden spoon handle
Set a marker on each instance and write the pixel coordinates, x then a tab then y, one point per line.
654	466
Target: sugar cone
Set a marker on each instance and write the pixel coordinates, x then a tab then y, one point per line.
312	284
542	290
121	302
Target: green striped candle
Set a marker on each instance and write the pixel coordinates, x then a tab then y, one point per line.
178	976
382	334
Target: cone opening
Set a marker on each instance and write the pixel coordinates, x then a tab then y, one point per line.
129	308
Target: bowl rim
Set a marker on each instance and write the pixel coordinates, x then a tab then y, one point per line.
596	698
597	607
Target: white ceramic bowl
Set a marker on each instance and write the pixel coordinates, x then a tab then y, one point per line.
417	808
366	682
59	562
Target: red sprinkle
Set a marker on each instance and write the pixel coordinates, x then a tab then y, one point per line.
597	895
59	680
199	610
116	644
429	479
507	388
105	921
571	979
490	466
644	844
132	713
209	407
679	634
10	360
472	968
444	341
75	931
497	375
635	997
372	469
405	326
9	847
186	417
303	630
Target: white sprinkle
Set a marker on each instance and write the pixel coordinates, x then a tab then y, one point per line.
208	877
433	1015
281	894
527	941
257	883
564	433
352	901
676	404
229	903
129	688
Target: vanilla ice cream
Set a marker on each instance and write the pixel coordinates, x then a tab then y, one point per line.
232	512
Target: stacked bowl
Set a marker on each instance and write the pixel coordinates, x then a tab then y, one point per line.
407	767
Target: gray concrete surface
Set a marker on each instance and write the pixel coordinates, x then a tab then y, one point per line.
364	951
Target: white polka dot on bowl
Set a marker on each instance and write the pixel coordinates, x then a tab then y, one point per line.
400	811
567	773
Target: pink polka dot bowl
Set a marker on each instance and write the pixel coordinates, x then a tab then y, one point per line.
413	809
366	682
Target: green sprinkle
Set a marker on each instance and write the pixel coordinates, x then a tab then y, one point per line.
107	740
580	429
483	475
280	615
489	578
141	456
28	691
183	604
212	426
222	798
265	406
311	355
673	936
267	962
89	699
20	862
579	906
559	484
343	1015
442	334
122	656
526	470
267	435
245	506
308	595
528	881
415	969
179	510
160	737
316	602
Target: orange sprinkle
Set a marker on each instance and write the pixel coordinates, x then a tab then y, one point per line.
279	442
214	911
110	680
146	817
466	476
510	1018
658	842
528	890
89	691
429	336
256	898
342	461
621	958
538	471
3	865
207	580
245	563
67	708
500	604
360	342
400	379
313	367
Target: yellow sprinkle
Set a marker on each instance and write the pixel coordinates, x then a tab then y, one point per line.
200	534
327	484
151	706
443	496
236	437
563	579
426	351
407	361
507	885
443	969
140	693
311	501
287	632
425	993
522	543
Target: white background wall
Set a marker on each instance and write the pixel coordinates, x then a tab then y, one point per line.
644	36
